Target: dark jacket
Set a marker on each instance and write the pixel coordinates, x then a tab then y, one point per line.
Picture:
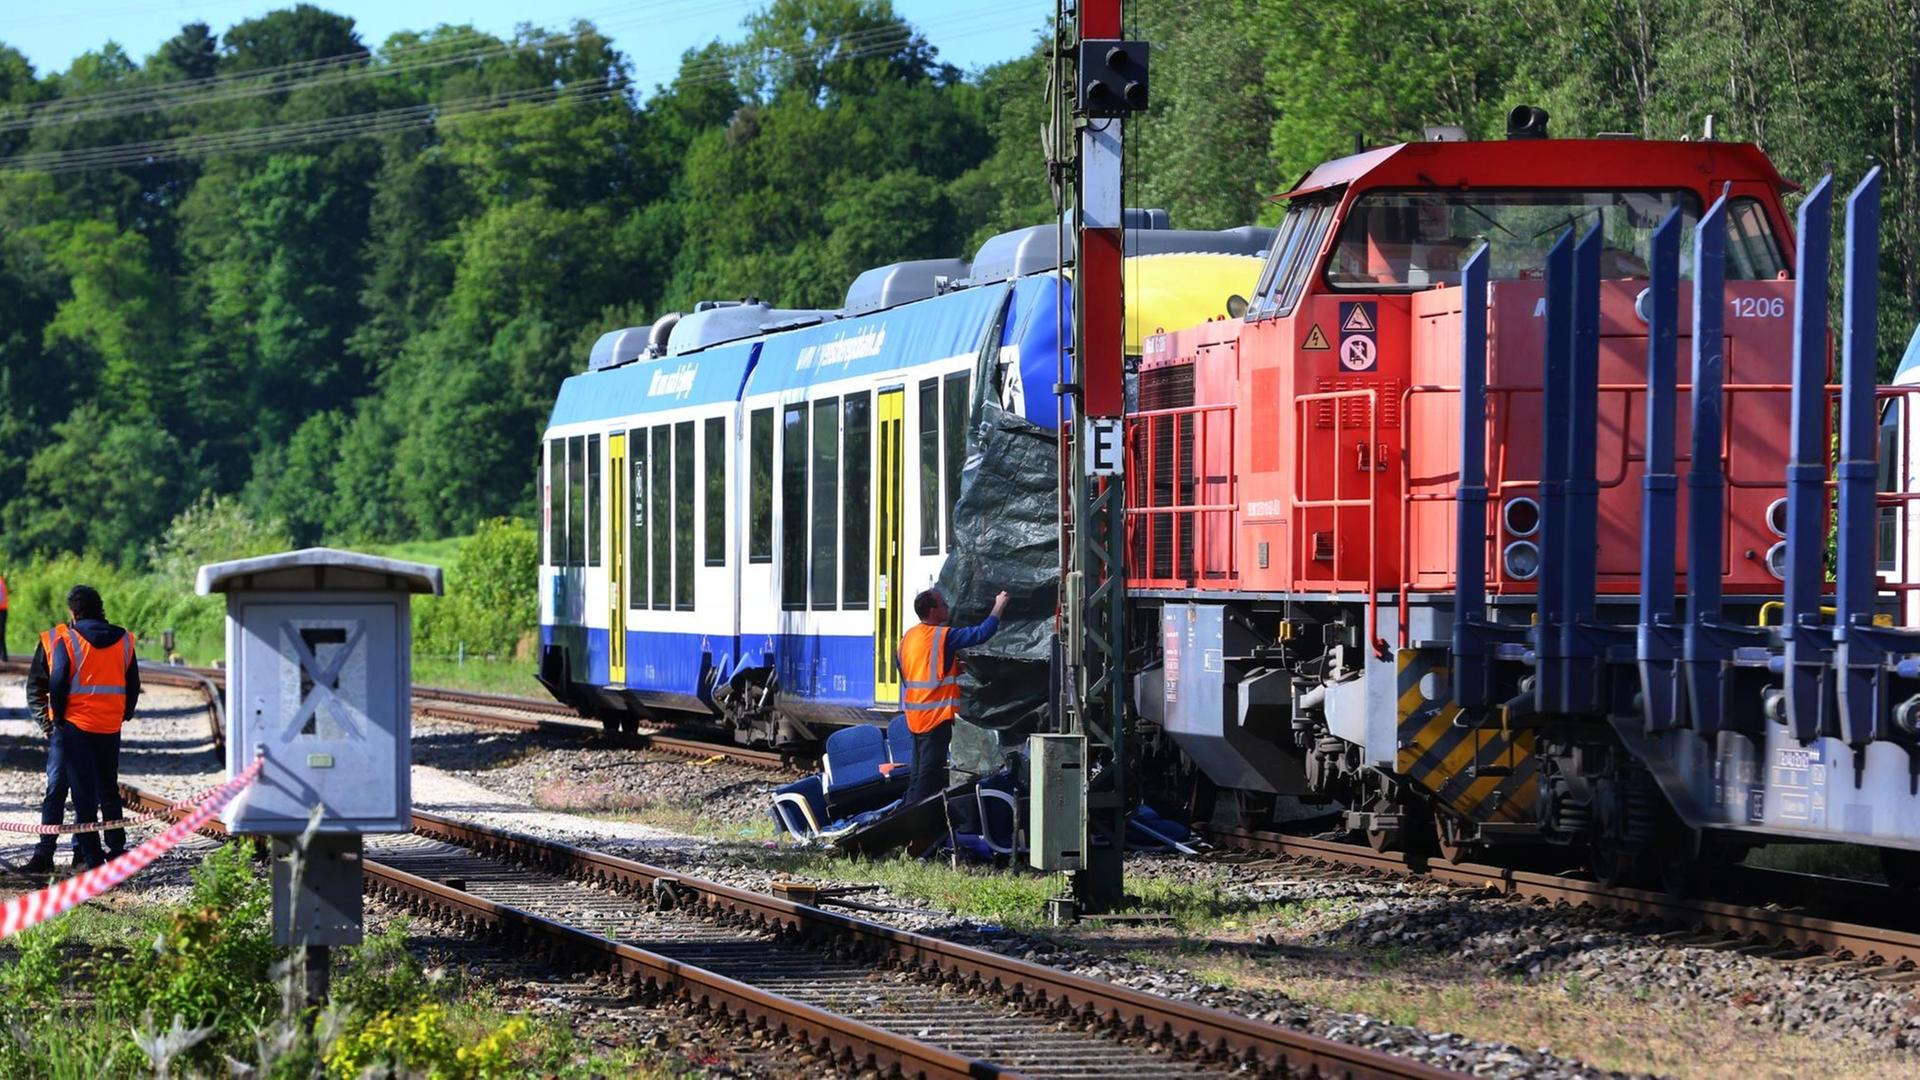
47	703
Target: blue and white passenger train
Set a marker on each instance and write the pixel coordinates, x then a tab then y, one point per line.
740	504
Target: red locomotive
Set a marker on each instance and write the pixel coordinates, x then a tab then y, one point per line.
1295	485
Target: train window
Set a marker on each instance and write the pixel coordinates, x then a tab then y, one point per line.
1752	252
638	580
1318	218
1418	239
683	492
857	523
953	430
594	499
826	502
577	500
659	508
793	507
1291	258
760	498
929	466
556	502
716	451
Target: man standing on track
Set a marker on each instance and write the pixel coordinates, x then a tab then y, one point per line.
83	685
931	686
3	618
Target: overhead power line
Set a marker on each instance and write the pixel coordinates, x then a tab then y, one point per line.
385	121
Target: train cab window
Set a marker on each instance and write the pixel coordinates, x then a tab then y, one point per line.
826	503
683	494
716	522
760	485
793	507
660	509
639	581
953	434
594	500
577	500
857	503
556	502
1406	240
1752	252
1290	262
929	466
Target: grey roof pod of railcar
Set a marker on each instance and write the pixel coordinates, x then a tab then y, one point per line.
716	322
899	283
1036	249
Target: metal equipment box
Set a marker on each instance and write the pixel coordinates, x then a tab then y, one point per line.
1057	810
319	653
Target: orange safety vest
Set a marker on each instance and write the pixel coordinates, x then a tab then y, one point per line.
96	682
930	697
3	594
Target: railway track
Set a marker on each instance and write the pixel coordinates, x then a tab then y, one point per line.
1788	934
503	712
859	995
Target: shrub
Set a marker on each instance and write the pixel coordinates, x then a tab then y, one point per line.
420	1041
490	603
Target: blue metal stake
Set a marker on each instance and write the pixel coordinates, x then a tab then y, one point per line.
1470	677
1550	593
1808	644
1706	494
1580	683
1658	642
1857	580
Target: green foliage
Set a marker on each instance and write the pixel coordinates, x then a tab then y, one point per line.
361	338
489	608
211	964
380	975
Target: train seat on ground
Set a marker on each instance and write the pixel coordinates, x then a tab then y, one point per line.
999	806
899	746
852	771
801	807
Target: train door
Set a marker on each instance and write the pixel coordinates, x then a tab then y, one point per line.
888	505
617	560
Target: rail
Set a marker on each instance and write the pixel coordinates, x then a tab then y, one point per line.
1226	1040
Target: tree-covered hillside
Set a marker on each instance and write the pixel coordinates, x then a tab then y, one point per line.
341	279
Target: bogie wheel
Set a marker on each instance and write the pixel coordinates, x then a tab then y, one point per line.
1383	840
629	723
1449	839
1615	864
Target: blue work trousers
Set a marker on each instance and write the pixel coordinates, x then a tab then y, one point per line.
929	763
54	805
93	778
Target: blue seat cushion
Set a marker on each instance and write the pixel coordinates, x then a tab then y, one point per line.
900	741
854	756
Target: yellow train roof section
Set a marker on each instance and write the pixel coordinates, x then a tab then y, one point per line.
1175	291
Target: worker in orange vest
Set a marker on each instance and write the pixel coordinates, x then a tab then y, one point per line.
3	618
930	673
83	685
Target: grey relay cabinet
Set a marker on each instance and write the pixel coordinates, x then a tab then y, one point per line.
319	674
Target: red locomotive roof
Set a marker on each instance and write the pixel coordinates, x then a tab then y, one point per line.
1571	163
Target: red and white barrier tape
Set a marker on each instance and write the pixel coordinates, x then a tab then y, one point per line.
101	826
34	908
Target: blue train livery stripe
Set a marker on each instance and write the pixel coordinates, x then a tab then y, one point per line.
704	378
952	325
824	668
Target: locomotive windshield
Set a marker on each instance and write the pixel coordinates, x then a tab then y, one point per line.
1418	239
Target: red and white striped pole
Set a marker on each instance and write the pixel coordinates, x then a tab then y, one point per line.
1109	83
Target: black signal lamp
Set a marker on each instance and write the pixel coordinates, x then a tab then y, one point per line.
1113	77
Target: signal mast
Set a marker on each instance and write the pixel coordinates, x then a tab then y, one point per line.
1108	80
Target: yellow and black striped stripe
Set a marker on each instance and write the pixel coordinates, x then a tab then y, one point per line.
1481	771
